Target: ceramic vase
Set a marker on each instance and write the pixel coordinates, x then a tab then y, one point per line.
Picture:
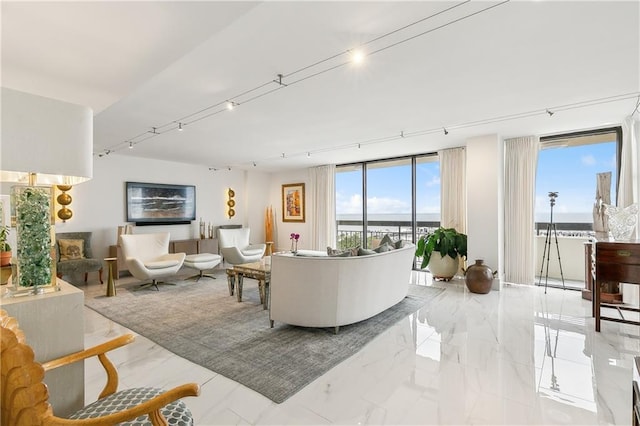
479	277
443	268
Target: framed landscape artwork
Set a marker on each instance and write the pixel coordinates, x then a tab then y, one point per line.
293	202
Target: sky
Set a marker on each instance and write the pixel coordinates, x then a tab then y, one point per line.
569	171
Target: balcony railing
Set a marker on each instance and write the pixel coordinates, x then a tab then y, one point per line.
571	235
401	230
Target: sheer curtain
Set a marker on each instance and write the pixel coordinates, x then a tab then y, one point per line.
629	190
521	157
453	178
323	215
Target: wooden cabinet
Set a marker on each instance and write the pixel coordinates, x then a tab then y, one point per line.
615	261
191	246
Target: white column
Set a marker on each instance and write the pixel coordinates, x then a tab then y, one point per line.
485	222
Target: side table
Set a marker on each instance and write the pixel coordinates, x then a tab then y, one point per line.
111	287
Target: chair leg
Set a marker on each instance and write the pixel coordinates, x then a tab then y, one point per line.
86	275
100	274
155	284
200	275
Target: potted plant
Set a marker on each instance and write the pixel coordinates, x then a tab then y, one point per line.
441	250
5	248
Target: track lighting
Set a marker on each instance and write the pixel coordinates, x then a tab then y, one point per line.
308	155
230	105
130	145
357	56
180	127
446	132
283	155
550	113
254	164
154	130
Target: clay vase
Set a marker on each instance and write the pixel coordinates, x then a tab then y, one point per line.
479	277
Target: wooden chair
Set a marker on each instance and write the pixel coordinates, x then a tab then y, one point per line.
24	396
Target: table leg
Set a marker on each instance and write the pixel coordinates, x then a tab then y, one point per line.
239	279
231	282
261	290
267	290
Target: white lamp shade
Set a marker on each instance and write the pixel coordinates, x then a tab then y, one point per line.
50	138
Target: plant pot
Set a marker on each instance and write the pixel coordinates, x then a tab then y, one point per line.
479	277
5	258
443	268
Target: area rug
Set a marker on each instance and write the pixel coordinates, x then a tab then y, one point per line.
199	321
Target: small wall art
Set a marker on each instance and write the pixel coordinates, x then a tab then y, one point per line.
293	202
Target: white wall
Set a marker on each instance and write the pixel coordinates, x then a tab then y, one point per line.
99	204
282	229
485	184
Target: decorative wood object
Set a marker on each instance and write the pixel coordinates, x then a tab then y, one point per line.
268	224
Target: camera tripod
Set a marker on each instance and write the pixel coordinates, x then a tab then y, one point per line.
551	227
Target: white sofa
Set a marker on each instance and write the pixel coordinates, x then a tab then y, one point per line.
334	291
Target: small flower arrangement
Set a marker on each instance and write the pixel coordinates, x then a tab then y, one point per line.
294	241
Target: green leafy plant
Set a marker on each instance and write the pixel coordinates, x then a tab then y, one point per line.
4	234
447	241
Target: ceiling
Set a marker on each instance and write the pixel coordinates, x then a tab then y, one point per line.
473	68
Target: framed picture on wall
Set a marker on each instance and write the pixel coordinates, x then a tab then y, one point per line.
293	202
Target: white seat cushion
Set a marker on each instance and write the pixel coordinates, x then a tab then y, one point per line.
252	252
161	264
201	258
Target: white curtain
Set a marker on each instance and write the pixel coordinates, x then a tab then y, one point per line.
323	214
521	157
629	187
453	198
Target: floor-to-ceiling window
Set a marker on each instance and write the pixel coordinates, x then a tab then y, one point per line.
398	196
566	181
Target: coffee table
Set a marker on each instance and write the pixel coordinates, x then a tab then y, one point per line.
260	271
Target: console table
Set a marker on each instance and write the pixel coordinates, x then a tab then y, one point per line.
615	261
190	246
53	324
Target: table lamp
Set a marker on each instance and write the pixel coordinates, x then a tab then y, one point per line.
44	142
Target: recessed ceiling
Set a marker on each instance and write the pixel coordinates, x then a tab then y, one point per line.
472	68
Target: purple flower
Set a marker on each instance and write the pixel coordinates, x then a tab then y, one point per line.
294	236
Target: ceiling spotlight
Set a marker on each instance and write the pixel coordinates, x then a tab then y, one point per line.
550	113
229	168
358	146
254	164
130	145
446	132
308	155
357	56
180	127
283	155
230	105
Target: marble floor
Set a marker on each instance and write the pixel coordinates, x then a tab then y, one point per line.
516	356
